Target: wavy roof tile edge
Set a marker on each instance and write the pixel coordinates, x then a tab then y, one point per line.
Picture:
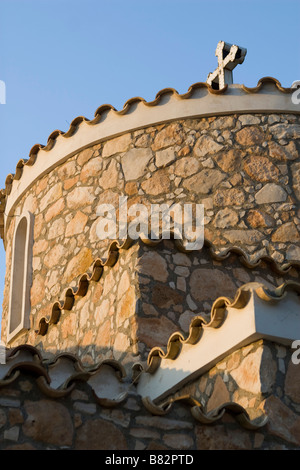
74	126
28	358
126	107
218	315
113	252
197	410
39	368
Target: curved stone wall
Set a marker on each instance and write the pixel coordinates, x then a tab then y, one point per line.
245	169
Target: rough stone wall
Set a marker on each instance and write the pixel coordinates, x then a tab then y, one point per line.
263	379
260	377
244	169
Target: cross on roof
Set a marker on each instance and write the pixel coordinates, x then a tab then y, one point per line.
229	56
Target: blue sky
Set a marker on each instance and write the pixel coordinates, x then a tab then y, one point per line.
64	58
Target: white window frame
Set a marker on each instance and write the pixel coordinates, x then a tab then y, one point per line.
20	277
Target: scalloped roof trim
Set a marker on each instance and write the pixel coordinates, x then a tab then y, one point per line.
113	253
197	410
28	359
103	109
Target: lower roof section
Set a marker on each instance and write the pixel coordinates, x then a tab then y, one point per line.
56	379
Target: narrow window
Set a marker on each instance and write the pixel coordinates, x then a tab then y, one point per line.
19	305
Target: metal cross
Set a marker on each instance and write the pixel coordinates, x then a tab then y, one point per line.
229	56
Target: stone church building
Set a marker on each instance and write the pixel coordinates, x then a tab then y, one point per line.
143	344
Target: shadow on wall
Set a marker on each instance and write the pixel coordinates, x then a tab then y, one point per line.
63	403
111	387
129	318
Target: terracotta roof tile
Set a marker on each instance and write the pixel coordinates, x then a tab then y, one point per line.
113	252
126	109
197	411
58	377
217	317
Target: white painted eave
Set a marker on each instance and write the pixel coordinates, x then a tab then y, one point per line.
171	106
273	320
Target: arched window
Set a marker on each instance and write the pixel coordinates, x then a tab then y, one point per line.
21	271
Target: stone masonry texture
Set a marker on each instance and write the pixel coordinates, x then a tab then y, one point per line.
245	169
259	377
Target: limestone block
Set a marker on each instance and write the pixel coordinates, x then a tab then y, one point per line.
285	131
117	145
256	374
296	179
158	183
91	168
51	196
261	169
229	161
154	265
78	265
170	135
77	224
164	296
283	152
249	119
109	177
163	157
247	237
221	437
100	434
204	181
270	193
134	163
48	422
186	166
55	210
155	331
79	197
208	284
250	136
286	233
206	145
226	218
229	197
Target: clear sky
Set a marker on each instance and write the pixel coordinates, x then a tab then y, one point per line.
64	58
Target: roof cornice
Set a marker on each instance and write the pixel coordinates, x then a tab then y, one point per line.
200	100
94	274
255	313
